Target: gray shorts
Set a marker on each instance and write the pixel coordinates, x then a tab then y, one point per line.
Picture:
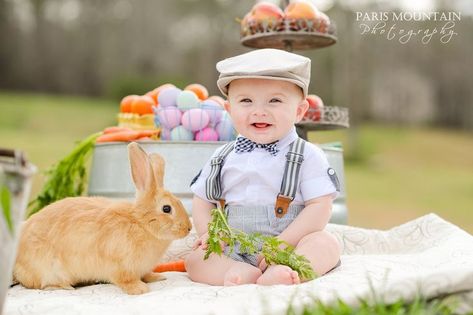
258	219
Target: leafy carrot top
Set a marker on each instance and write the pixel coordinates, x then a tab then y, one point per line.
274	251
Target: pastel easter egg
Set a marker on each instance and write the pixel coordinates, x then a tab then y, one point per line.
168	97
213	109
165	134
181	134
156	118
220	100
225	129
206	134
195	119
169	117
187	100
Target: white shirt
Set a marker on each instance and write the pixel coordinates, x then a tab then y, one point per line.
254	178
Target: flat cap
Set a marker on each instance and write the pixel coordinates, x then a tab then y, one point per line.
268	63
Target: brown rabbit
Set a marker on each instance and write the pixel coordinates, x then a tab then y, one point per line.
88	239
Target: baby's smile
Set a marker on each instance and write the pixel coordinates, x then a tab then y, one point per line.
261	125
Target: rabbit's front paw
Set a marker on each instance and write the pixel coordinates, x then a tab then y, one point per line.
52	287
134	287
153	277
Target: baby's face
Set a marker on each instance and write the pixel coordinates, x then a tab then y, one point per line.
265	110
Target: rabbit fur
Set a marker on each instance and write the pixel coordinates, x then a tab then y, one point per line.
88	239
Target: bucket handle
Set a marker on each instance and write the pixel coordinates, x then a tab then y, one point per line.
17	155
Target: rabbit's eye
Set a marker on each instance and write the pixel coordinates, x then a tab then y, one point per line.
167	209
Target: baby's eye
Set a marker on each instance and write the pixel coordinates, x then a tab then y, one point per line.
275	100
245	100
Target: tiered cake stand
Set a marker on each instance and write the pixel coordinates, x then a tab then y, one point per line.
303	34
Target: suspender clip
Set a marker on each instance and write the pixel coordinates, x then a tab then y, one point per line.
282	204
221	204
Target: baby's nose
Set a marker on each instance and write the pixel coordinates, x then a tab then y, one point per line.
259	111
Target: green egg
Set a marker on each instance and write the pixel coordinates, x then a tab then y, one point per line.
187	100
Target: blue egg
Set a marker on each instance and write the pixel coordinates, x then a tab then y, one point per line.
214	110
165	134
157	123
225	129
181	134
168	97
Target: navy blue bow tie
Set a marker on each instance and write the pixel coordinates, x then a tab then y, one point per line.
246	145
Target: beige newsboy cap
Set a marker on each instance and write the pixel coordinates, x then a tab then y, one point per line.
268	63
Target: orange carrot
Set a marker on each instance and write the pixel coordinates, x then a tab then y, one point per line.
127	135
148	133
144	139
115	129
177	265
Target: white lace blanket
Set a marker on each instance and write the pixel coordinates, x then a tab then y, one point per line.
428	256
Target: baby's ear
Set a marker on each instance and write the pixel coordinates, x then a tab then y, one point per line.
227	106
301	109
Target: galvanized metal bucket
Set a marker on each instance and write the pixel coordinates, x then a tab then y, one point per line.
15	185
110	175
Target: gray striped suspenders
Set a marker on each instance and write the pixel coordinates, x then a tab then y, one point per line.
290	180
213	186
289	185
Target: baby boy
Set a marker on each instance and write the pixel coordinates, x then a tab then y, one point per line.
269	180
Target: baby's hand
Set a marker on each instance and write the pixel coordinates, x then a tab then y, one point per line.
202	242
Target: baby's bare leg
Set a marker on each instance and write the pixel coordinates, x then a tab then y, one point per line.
241	273
219	270
321	249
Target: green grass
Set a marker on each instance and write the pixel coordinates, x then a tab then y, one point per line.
393	174
48	127
419	306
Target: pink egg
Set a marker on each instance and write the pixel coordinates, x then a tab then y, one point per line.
195	119
169	117
206	134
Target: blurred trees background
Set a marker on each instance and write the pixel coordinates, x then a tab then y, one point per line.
111	48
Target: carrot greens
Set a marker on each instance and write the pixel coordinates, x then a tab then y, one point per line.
274	251
68	177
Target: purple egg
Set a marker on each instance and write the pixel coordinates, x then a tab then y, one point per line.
214	110
206	134
169	117
195	119
181	134
168	97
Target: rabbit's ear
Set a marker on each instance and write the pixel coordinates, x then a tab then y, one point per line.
141	170
157	162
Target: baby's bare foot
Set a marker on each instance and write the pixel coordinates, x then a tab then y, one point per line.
231	280
279	274
241	274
